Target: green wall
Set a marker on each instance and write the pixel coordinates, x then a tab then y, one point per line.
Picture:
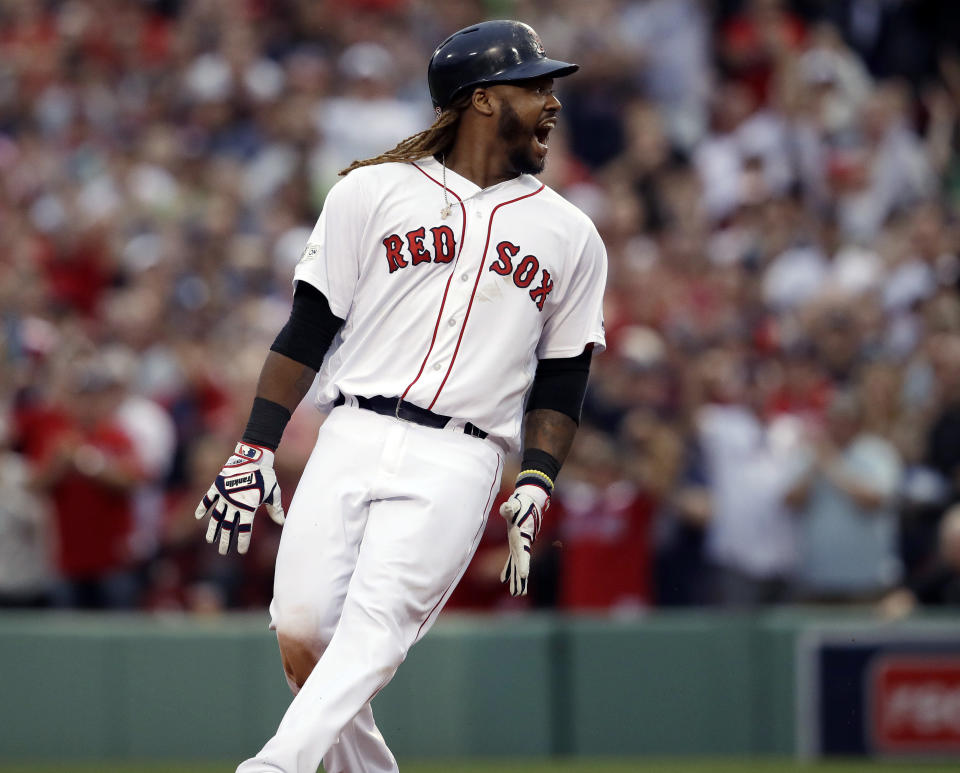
699	683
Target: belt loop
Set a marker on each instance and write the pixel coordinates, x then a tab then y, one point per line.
466	427
344	399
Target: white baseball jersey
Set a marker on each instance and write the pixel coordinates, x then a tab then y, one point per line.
452	313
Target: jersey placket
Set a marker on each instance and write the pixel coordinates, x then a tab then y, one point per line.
467	271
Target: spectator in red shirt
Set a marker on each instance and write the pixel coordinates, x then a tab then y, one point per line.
755	42
804	390
604	523
87	464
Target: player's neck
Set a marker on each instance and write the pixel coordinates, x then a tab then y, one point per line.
482	163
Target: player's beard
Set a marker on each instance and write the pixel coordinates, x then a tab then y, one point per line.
518	140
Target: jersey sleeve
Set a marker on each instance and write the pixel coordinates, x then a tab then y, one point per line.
577	318
331	259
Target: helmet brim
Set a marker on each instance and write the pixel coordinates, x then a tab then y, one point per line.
540	68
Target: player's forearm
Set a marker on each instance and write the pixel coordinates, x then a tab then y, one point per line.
298	351
284	381
291	365
549	431
282	385
553	415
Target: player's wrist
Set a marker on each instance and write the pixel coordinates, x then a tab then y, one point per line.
266	424
538	469
534	479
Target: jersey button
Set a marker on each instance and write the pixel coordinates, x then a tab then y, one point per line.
437	366
451	322
464	277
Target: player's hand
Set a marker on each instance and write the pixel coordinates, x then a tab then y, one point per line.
246	481
523	512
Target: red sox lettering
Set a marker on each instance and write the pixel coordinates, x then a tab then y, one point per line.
444	247
524	273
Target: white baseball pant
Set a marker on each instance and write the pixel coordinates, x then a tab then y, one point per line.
385	519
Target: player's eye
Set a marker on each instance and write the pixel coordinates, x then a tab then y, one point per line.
544	90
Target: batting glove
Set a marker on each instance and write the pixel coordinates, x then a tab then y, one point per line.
246	481
523	512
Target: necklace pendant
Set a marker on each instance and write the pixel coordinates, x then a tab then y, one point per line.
445	212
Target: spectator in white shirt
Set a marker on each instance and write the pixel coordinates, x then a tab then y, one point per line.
750	462
26	566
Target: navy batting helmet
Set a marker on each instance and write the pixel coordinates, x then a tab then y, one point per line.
487	53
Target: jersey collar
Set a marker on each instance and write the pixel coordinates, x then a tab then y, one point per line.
467	189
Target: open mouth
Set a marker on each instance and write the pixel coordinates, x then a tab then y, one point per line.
542	132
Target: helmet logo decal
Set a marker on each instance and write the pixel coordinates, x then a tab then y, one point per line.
538	45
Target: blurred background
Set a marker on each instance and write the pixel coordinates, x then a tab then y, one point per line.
775	424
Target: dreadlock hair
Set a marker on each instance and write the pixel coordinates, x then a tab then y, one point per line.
436	140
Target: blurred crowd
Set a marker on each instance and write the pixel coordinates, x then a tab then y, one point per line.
776	419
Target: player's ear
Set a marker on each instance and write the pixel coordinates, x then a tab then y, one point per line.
481	102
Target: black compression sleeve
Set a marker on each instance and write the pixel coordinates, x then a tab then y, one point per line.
538	468
311	327
560	384
267	422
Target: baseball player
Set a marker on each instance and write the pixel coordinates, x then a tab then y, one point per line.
444	294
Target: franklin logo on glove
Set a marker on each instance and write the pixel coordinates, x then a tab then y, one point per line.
242	480
246	481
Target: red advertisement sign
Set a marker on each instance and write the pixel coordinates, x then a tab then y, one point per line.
914	704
